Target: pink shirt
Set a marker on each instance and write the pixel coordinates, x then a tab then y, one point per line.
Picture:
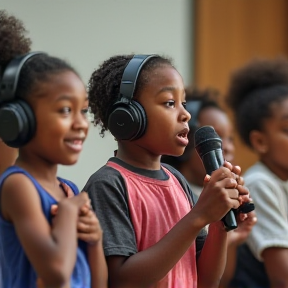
155	207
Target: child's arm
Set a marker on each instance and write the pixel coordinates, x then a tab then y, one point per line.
275	261
20	204
235	239
98	267
212	261
89	230
151	265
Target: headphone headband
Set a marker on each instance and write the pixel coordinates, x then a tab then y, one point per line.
130	75
11	74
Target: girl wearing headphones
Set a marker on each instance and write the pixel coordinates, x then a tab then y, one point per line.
42	112
150	233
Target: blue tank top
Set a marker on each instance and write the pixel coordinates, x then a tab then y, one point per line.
16	270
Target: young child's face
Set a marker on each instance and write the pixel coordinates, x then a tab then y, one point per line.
59	105
213	117
167	119
275	138
219	120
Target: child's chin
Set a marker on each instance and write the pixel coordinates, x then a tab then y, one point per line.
179	153
69	162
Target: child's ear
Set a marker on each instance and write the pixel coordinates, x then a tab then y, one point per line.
258	141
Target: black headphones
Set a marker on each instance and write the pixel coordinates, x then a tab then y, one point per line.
17	120
127	118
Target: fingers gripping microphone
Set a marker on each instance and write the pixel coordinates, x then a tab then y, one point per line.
209	147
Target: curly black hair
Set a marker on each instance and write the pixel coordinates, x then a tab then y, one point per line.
253	88
197	100
104	84
13	39
13	43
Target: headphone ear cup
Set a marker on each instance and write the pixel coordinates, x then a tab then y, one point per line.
127	121
17	123
142	118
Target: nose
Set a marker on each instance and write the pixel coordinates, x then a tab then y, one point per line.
185	116
81	122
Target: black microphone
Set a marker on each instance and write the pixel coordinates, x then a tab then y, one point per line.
209	147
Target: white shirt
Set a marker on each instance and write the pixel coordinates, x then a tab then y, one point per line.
270	195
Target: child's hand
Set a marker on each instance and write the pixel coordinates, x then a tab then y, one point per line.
243	191
77	201
220	193
245	224
88	226
70	194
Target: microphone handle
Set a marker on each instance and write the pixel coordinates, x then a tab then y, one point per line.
212	161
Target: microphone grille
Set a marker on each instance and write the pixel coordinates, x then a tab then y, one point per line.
203	134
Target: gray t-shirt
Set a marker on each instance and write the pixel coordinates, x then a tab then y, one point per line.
108	193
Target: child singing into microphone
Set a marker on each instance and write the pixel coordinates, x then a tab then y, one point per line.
150	233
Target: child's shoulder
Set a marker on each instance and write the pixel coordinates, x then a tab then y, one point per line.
14	173
105	179
105	173
258	172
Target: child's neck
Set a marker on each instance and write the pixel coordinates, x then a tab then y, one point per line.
45	174
140	160
38	168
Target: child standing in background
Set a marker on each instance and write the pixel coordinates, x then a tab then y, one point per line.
150	233
44	116
258	96
205	111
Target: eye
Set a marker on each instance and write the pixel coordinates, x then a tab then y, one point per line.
170	103
84	111
65	110
184	104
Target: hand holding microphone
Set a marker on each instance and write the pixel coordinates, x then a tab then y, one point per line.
209	147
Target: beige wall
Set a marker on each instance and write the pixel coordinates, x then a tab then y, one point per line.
87	32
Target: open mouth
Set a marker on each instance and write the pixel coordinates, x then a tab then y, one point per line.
183	135
75	144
